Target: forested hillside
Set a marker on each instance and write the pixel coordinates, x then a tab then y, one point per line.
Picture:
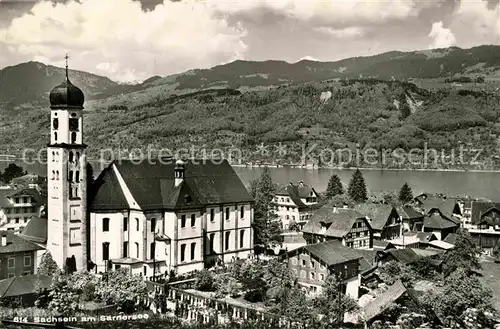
335	115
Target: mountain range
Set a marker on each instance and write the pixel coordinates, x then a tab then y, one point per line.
27	84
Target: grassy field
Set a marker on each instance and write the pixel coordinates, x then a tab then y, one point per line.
491	278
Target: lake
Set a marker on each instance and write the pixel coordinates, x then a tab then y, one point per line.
455	183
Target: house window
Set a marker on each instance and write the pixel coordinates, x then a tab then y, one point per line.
193	250
105	251
105	224
302	274
77	176
294	261
153	224
145	269
183	221
27	260
55	123
125	249
212	241
322	277
193	220
312	264
228	236
11	275
152	250
70	157
137	249
313	276
137	224
242	238
227	213
212	215
304	262
125	224
183	252
17	220
70	176
12	262
242	212
73	138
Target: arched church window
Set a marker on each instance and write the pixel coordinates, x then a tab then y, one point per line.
76	192
73	138
53	156
53	175
55	136
77	157
70	176
77	176
71	156
55	123
57	174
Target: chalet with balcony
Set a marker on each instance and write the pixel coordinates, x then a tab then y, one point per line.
157	217
485	224
384	220
18	206
295	203
345	225
313	263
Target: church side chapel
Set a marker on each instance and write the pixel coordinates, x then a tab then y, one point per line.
151	218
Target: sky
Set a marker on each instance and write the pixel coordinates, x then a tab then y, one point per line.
132	40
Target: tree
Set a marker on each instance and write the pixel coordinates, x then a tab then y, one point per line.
268	230
334	187
393	271
464	256
121	288
47	265
204	281
405	194
357	187
496	252
63	297
12	171
459	293
332	303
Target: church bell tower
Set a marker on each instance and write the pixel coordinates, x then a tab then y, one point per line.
66	175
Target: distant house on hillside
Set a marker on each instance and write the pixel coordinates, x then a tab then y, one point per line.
384	220
485	227
295	203
315	262
345	225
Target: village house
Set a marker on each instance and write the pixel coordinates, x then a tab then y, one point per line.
17	255
384	220
485	224
18	206
313	263
411	220
182	216
413	239
295	204
22	290
345	225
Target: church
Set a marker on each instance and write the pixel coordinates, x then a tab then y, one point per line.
149	217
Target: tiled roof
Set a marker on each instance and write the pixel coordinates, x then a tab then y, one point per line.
382	302
4	194
296	192
441	245
152	186
23	285
16	243
332	252
405	256
336	224
382	245
35	230
479	209
409	213
435	221
368	259
378	215
451	238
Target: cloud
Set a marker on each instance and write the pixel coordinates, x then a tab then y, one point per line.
348	32
442	37
177	36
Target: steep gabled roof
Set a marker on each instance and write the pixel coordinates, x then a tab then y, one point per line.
23	285
435	221
152	185
331	252
409	213
405	256
378	214
380	245
16	243
381	303
338	223
296	192
35	230
479	209
4	197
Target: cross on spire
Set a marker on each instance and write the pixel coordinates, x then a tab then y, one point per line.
66	57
